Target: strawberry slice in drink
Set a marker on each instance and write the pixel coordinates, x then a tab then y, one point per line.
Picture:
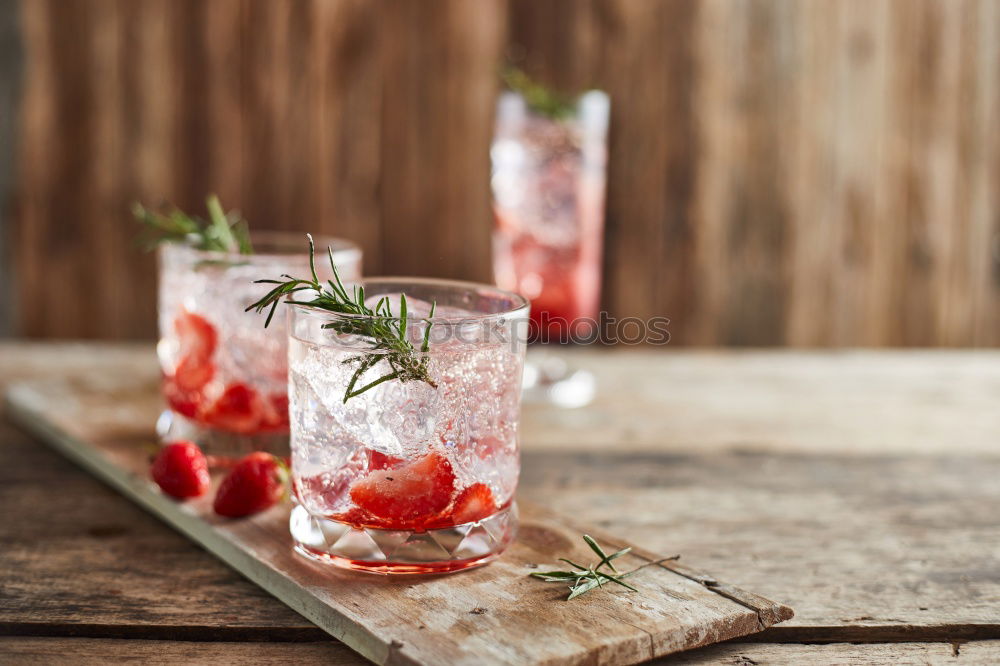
358	517
378	460
238	409
198	340
406	497
473	503
193	372
196	335
274	412
183	402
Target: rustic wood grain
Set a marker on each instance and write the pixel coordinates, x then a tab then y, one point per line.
346	172
857	402
141	579
842	654
101	422
440	63
876	548
275	106
11	70
88	651
881	545
809	174
95	651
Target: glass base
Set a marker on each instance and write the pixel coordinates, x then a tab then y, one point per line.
549	380
403	551
171	426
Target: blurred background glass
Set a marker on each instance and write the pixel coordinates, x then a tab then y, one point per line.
549	177
548	184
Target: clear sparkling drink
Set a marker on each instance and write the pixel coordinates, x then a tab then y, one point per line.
225	378
408	476
548	184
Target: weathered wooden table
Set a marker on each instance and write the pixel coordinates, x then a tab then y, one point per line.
861	488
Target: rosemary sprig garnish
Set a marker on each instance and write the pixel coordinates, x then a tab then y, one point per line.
221	232
538	98
584	579
385	332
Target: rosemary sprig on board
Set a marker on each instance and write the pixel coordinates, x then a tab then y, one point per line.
584	579
221	232
385	332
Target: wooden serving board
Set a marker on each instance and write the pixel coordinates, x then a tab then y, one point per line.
493	614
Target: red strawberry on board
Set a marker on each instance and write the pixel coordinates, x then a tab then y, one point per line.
408	494
255	483
238	409
181	470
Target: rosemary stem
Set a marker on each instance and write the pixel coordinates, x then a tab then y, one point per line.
384	378
385	334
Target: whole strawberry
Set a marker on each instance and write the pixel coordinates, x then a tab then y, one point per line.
180	469
255	483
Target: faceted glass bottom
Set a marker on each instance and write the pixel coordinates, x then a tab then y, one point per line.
172	426
403	551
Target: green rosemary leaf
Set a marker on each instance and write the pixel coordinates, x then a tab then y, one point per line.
572	563
385	334
597	549
584	579
605	559
241	230
614	579
581	588
620	553
218	226
384	378
593	574
222	232
553	576
402	316
365	363
312	260
336	273
426	344
538	98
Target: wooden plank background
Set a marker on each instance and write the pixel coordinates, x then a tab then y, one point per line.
781	172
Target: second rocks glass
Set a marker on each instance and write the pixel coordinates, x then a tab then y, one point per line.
224	375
